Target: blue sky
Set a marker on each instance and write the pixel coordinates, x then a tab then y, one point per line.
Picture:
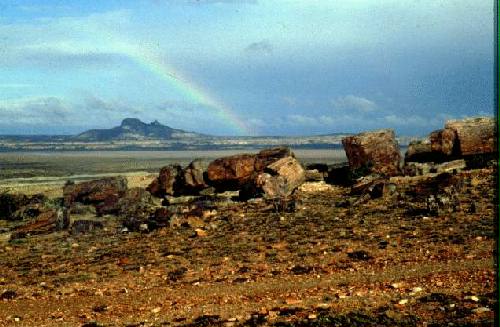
281	67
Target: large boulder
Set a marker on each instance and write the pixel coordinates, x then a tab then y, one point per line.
194	181
230	173
94	192
234	172
281	178
168	181
420	151
134	201
472	139
473	135
21	206
375	152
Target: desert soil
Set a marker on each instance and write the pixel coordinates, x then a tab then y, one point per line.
325	264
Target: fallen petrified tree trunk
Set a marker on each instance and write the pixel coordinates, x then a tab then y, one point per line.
473	135
377	152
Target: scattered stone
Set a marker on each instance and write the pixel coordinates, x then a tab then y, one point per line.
481	310
313	175
86	226
359	255
8	295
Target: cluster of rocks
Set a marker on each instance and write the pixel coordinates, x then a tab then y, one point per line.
472	139
187	195
272	172
429	169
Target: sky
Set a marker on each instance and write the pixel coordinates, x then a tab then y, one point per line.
245	67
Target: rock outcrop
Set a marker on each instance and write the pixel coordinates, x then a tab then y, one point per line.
376	152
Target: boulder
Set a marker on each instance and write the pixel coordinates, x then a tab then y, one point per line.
168	182
233	172
281	178
339	174
464	138
43	223
313	175
267	156
420	151
133	202
194	181
21	206
373	152
94	192
230	173
473	135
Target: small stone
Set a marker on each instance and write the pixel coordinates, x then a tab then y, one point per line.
143	227
156	310
124	230
403	301
472	298
75	245
312	316
396	285
200	232
481	310
416	290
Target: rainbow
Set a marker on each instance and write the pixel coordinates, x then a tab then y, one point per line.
189	89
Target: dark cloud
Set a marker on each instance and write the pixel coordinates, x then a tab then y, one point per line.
261	47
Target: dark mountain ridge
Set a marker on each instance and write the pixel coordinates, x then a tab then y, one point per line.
134	129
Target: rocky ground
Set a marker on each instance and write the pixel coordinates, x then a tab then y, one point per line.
262	240
328	262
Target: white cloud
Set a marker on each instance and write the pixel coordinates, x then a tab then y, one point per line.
35	110
352	102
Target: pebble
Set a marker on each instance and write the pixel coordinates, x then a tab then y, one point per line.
396	285
472	298
403	301
200	232
312	316
156	310
143	227
481	310
416	290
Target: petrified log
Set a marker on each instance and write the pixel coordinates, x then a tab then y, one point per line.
96	191
281	178
193	178
420	151
230	173
473	135
168	181
233	172
377	152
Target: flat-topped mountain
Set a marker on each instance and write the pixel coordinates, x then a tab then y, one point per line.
134	129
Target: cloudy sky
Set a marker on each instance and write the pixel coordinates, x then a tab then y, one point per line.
258	67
